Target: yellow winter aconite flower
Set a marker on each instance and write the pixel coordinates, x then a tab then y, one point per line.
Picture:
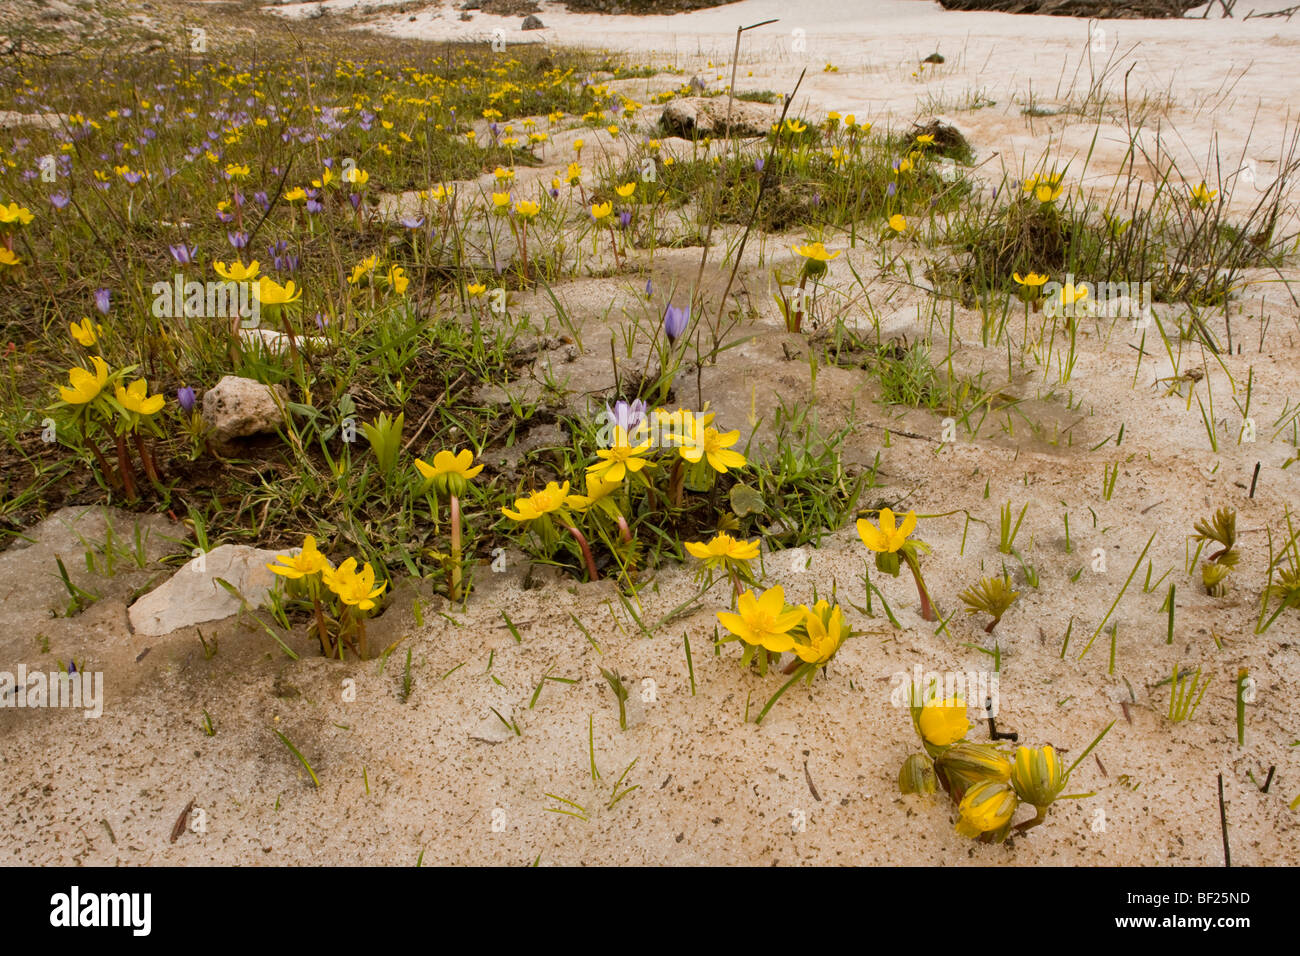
723	548
1047	193
14	214
716	447
762	621
1037	775
236	271
296	194
925	139
794	126
817	252
86	385
363	269
396	279
825	628
886	539
500	200
573	174
270	292
598	491
898	222
621	459
527	209
86	332
966	764
549	499
501	174
356	176
8	257
326	178
450	473
943	722
306	562
136	398
236	171
475	289
625	190
1033	279
1071	294
353	587
987	806
1202	195
600	210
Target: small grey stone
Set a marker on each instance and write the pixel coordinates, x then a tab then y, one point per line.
238	407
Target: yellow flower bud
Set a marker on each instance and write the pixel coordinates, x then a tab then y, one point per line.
966	764
943	722
917	775
987	807
1038	775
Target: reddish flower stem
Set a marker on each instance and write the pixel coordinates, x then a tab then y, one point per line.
592	573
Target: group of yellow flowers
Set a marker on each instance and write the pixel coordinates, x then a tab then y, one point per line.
354	588
986	786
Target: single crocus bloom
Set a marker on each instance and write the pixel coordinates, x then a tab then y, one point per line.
886	539
675	319
185	397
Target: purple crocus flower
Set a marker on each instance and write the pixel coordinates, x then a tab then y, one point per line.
624	219
314	206
891	189
102	300
237	239
355	199
59	201
132	177
185	396
183	254
675	321
649	289
626	415
555	193
758	165
412	222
